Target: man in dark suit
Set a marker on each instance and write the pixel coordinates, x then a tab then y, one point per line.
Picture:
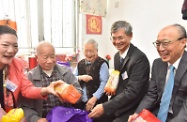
133	78
170	44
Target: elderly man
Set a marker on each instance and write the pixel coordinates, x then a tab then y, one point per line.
167	93
92	73
46	72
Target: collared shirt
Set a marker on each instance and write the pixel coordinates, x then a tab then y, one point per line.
104	74
52	100
122	57
125	53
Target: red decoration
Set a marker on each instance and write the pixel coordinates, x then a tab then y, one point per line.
9	23
93	24
108	57
147	116
32	62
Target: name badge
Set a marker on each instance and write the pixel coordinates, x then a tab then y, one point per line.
124	75
10	85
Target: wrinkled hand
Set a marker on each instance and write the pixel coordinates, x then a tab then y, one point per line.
133	117
61	100
85	78
51	88
42	120
90	104
97	111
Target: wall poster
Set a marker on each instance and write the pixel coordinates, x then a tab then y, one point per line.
93	24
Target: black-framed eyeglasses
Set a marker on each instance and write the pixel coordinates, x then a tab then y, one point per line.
164	43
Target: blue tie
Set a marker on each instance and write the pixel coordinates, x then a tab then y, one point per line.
166	97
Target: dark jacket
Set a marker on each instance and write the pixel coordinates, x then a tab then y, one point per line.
178	102
94	84
131	90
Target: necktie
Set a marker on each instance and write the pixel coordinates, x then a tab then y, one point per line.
1	89
166	97
121	62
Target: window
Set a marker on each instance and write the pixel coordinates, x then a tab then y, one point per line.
37	20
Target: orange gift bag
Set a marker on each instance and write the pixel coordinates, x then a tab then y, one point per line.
68	93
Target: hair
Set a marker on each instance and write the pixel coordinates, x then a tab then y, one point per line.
121	25
4	29
92	41
41	44
181	30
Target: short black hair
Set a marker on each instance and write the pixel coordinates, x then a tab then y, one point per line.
5	29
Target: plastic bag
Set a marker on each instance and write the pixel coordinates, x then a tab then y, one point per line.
68	93
64	114
112	82
147	116
14	115
63	63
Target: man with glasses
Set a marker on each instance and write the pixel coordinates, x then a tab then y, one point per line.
133	78
170	44
164	43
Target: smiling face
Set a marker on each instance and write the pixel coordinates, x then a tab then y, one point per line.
8	48
120	40
46	56
90	52
175	49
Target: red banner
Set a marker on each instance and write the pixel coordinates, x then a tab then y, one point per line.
93	24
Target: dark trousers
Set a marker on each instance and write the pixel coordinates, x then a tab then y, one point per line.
102	119
170	117
113	118
80	105
120	118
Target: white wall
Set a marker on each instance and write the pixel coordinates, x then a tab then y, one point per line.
101	39
147	17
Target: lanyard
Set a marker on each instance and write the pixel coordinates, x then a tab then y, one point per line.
1	90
